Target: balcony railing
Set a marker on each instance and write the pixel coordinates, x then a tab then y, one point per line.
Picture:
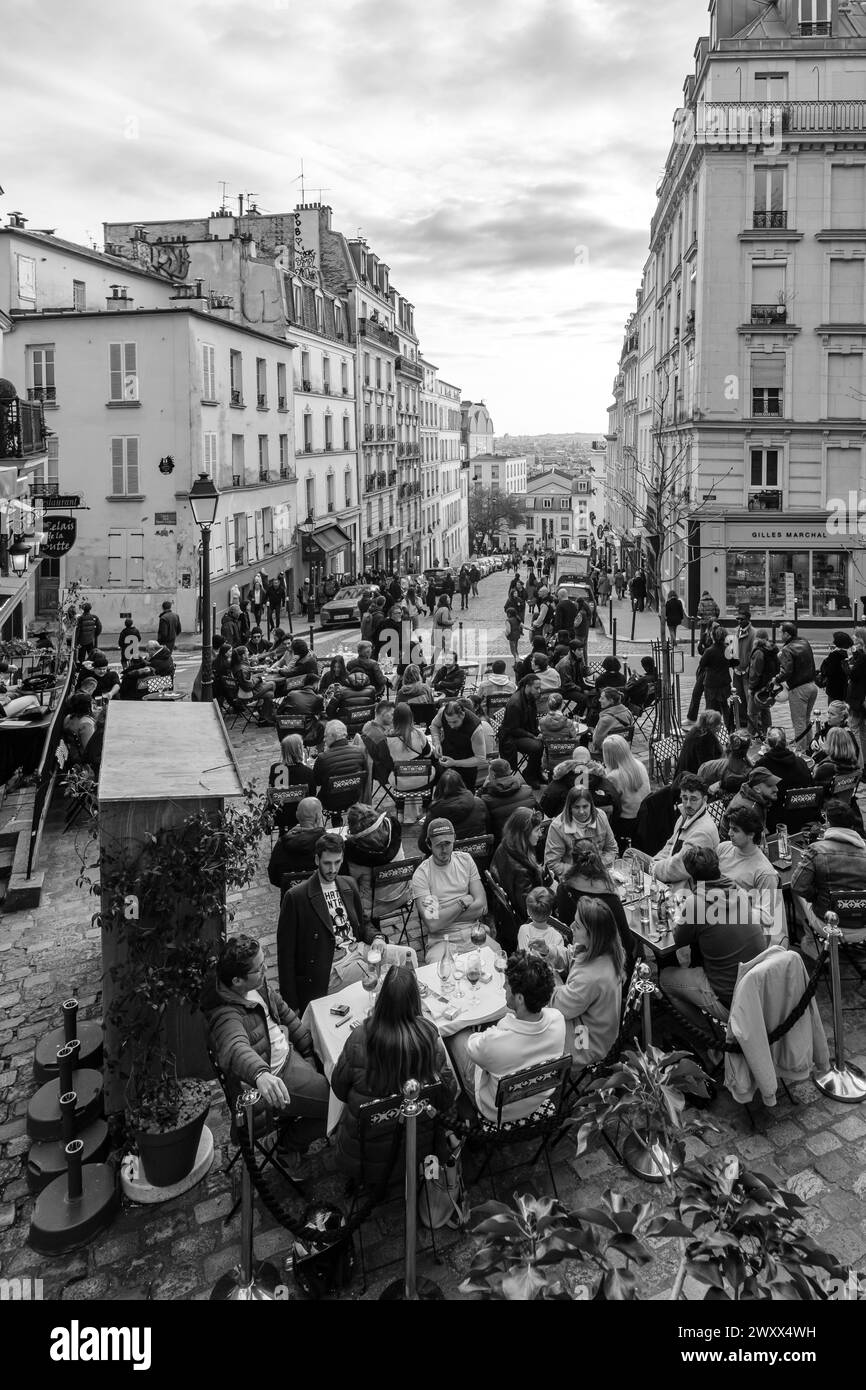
380	431
768	219
281	402
766	500
262	400
815	29
264	476
392	433
410	368
22	429
381	479
769	313
369	432
306	385
369	482
392	477
370	328
286	473
236	396
739	122
326	388
765	403
42	393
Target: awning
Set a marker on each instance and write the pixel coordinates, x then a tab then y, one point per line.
394	539
330	539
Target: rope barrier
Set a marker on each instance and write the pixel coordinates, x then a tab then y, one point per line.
798	1010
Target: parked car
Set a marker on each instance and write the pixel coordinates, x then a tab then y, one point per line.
438	577
343	609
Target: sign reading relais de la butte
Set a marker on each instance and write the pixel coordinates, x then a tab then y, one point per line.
60	533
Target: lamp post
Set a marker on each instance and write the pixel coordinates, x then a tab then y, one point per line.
204	500
309	527
18	555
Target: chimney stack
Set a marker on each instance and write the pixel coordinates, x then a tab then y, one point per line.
118	300
16	220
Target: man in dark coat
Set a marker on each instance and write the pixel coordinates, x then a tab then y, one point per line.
230	624
169	628
792	772
87	631
295	850
129	642
638	591
321	924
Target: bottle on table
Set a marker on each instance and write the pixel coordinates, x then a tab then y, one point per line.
445	968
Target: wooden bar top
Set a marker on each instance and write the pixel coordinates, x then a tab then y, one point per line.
155	750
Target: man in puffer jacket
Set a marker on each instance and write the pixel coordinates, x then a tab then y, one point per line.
502	793
259	1041
340	757
797	670
358	697
792	772
832	867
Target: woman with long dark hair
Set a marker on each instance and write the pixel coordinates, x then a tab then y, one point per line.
701	744
336	675
413	688
515	862
591	998
395	1044
715	668
588	878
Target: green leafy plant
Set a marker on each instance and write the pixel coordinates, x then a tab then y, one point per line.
522	1248
645	1092
746	1238
158	903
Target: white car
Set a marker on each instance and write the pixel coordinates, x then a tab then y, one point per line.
343	607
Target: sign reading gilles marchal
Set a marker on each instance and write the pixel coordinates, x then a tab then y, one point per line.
60	533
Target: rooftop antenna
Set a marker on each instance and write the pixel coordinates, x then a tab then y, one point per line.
326	189
223	186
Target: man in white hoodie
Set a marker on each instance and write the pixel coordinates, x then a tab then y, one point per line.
496	682
529	1034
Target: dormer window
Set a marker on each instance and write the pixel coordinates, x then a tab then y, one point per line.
814	18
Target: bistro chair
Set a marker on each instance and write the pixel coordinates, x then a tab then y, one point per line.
337	794
646	715
850	908
481	849
283	802
423	712
386	876
504	920
806	801
494	707
265	1152
547	1081
844	786
558	751
409	771
293	878
716	806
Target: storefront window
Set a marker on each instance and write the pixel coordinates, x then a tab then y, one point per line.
746	579
829	583
781	562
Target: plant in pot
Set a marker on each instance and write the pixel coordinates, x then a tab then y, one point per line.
745	1237
645	1092
166	902
539	1250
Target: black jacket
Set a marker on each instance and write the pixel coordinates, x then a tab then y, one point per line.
856	694
517	878
520	718
294	852
834	674
305	938
793	772
674	612
504	796
466	812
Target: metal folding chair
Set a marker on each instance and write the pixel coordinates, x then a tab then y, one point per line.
547	1081
410	770
337	794
481	849
265	1151
386	876
504	919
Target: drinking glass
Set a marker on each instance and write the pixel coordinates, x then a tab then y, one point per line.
478	934
369	982
500	964
474	971
459	975
446	971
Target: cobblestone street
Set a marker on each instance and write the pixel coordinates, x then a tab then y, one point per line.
179	1249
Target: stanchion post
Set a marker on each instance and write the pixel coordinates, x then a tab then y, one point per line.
460	640
74	1182
613	636
692	622
610	614
411	1289
312	639
843	1081
633	617
247	1282
70	1019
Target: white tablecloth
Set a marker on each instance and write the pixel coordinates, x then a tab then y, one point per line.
329	1033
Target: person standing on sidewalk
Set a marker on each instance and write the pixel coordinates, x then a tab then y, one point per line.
674	614
474	576
856	692
169	628
464	584
604	587
87	631
763	668
129	642
745	639
638	591
797	670
708	613
619	583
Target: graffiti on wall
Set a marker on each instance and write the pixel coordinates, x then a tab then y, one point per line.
169	258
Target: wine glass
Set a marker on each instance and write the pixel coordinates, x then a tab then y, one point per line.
474	971
478	937
459	975
369	982
500	965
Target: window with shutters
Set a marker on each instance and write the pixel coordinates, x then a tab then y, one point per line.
26	267
79	296
209	455
846	290
218	551
285	465
848	196
308	433
845	385
238	460
326	374
329	491
41	380
124	466
282	392
769	206
46	478
339	327
347	433
329	432
208	372
240	540
236	377
126	559
344	378
310	494
122	372
261	383
768	292
298	297
768	383
306	379
347	487
844	478
263	458
815	19
267	531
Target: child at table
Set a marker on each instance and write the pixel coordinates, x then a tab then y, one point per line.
539	935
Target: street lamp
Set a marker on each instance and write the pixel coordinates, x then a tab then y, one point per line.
204	500
309	527
18	555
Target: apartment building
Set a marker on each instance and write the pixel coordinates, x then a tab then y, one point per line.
431	546
455	519
556	511
758	315
476	429
500	472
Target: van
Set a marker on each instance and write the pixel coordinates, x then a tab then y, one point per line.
571	567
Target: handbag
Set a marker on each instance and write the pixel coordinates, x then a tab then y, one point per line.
442	1199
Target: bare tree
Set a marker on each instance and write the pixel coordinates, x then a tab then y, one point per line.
489	508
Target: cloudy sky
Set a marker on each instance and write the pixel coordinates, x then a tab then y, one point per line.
500	155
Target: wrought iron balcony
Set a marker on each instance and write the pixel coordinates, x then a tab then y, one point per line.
371	328
766	500
42	393
380	431
720	122
769	313
769	219
369	432
22	429
410	368
392	477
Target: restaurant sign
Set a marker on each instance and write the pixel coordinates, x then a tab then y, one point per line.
741	534
60	533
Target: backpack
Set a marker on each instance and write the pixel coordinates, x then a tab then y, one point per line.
323	1261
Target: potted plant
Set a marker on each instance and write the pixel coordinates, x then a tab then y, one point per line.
163	903
645	1092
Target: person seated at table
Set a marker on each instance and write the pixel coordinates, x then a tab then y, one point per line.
301	661
339	757
530	1033
355	701
548	678
837	718
589	877
458	740
830	868
701	744
729	772
290	771
374	736
538	934
295	850
372	670
613	718
792	772
502	792
252	688
694	826
453	800
740	856
611	676
726	929
525	667
321	930
561	647
447	890
160	659
306	702
412	688
334	678
496	681
579	769
405	743
841	758
260	1041
759	791
580	820
79	726
258	645
642	691
516	866
133	681
573	678
555	726
394	1045
281	648
98	669
590	1000
631	780
518	732
449	679
375	839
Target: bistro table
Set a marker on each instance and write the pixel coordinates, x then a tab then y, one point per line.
329	1033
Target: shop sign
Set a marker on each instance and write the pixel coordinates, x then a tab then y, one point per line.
60	533
737	535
